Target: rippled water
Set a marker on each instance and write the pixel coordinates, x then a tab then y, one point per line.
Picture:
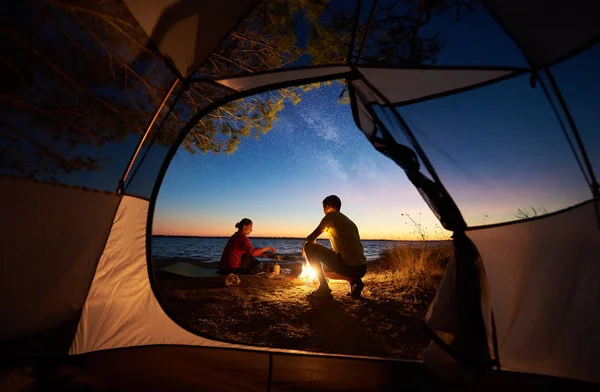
209	249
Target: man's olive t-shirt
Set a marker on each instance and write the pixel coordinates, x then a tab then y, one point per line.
344	237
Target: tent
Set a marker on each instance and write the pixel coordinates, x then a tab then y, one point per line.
517	305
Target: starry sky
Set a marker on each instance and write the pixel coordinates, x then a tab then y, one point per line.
280	180
498	150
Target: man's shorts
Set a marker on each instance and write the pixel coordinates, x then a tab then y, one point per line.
333	261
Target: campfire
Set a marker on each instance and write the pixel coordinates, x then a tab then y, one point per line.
308	274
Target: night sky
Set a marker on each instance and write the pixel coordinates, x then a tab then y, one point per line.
498	150
279	181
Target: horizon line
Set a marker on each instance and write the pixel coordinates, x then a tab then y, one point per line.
282	238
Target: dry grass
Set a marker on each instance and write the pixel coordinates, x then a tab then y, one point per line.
413	268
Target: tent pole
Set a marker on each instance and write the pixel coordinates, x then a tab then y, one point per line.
594	183
121	186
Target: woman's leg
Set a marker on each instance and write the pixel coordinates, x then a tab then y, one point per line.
249	264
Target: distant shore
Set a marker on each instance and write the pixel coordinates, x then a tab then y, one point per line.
290	238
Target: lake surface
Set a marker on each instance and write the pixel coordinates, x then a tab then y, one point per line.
209	249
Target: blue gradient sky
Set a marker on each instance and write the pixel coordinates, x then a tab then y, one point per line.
279	181
497	149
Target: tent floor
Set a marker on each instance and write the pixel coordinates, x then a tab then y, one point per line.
185	368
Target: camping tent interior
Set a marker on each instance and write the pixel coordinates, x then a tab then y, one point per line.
517	305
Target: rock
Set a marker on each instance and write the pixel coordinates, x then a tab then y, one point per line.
232	280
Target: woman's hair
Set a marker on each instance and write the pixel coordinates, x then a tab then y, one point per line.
242	223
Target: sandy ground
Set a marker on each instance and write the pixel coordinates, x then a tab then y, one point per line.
275	312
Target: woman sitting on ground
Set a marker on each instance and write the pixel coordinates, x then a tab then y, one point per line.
239	255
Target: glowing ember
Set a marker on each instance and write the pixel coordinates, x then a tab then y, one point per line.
308	274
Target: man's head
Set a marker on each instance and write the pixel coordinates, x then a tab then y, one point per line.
332	202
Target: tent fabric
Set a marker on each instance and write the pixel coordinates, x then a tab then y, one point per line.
121	309
453	316
187	31
361	95
399	85
543	279
184	368
73	255
244	83
548	30
402	86
207	368
52	237
179	368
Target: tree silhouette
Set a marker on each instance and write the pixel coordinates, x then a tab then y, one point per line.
82	75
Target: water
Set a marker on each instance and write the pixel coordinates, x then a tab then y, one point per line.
209	249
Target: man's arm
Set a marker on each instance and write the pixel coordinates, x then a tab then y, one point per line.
312	237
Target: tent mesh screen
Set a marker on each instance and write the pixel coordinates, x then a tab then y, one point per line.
500	151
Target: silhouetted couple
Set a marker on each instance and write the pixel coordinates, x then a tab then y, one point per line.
345	261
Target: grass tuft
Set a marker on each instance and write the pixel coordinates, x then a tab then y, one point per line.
413	266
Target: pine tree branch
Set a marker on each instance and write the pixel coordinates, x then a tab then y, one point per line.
60	72
123	64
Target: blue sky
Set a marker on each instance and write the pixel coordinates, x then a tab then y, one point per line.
497	150
279	181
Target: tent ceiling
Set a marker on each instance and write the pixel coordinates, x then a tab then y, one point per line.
401	86
187	31
548	30
245	83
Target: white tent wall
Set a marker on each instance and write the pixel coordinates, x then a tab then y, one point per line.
543	280
52	237
121	309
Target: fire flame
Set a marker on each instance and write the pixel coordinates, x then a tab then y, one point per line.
308	274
